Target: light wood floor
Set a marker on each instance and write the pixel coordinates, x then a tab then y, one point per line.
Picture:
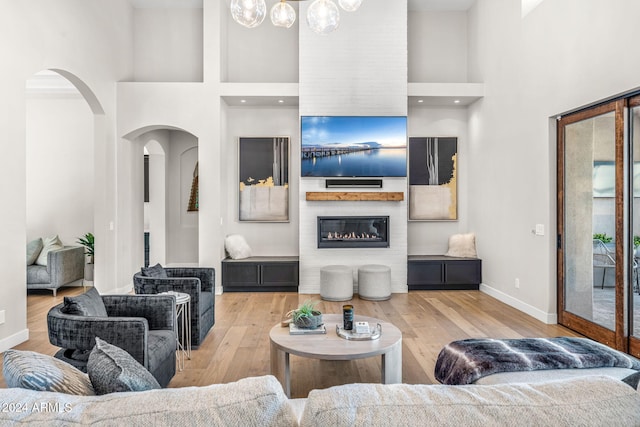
238	344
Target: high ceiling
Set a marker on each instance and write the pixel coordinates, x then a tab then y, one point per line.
417	5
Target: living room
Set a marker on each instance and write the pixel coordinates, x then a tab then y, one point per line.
183	73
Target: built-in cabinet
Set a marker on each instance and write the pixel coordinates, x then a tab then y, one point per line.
439	272
260	274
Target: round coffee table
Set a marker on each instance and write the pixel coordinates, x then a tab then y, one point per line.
330	346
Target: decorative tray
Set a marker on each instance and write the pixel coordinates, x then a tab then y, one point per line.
374	334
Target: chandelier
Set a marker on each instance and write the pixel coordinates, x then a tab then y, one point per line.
323	16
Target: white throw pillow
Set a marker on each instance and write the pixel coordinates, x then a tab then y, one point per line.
48	244
462	246
237	247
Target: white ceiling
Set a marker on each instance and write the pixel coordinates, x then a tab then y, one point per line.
416	5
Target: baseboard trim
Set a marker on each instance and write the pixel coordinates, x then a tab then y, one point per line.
13	340
548	318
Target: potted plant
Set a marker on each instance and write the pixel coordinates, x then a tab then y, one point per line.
306	316
603	237
636	245
88	242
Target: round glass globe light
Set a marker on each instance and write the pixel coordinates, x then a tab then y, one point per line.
323	16
249	13
283	14
350	5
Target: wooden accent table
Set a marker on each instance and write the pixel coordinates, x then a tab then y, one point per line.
330	346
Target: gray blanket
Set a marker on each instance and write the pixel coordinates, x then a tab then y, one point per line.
465	361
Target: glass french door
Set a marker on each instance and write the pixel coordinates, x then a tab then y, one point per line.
597	266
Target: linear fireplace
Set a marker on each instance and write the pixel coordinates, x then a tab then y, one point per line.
353	232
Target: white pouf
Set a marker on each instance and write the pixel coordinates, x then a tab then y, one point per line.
336	283
374	282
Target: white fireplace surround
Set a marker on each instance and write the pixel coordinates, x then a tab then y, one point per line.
312	258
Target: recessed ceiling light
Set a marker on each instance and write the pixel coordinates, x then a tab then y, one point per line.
243	100
420	101
281	101
457	101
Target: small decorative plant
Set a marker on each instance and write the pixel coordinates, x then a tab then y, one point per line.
88	242
603	237
636	241
306	316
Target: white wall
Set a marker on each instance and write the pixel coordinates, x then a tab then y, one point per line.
84	42
167	45
267	54
59	165
263	238
560	56
182	232
437	47
432	237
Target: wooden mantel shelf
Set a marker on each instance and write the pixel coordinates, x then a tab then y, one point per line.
342	196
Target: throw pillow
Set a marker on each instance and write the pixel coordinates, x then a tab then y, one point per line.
462	245
237	247
156	271
88	304
34	248
49	244
633	380
35	371
112	370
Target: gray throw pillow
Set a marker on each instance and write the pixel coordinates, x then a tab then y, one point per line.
112	370
156	271
633	380
35	371
34	248
88	304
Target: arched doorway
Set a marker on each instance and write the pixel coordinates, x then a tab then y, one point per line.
163	224
62	122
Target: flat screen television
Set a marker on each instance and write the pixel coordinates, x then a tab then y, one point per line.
353	146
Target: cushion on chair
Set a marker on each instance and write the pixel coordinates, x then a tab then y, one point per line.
88	304
111	370
156	271
34	248
48	244
462	246
237	247
35	371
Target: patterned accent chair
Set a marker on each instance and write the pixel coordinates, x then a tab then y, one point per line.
198	282
142	325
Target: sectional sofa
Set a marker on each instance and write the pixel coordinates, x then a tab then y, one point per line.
260	401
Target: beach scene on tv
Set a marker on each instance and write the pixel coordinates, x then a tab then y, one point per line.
353	146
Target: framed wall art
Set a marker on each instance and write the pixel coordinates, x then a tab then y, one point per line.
264	179
433	184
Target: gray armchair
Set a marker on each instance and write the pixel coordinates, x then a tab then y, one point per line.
198	282
142	325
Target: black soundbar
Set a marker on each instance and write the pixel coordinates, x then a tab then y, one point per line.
353	183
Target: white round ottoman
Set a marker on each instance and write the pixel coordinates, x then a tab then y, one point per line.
374	282
336	283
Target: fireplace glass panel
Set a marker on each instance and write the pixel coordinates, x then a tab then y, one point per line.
353	232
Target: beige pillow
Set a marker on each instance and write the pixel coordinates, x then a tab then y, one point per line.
48	244
462	246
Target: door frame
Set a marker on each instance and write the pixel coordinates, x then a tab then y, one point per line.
618	338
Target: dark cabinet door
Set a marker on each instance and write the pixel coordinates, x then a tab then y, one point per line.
279	274
425	273
241	274
462	273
